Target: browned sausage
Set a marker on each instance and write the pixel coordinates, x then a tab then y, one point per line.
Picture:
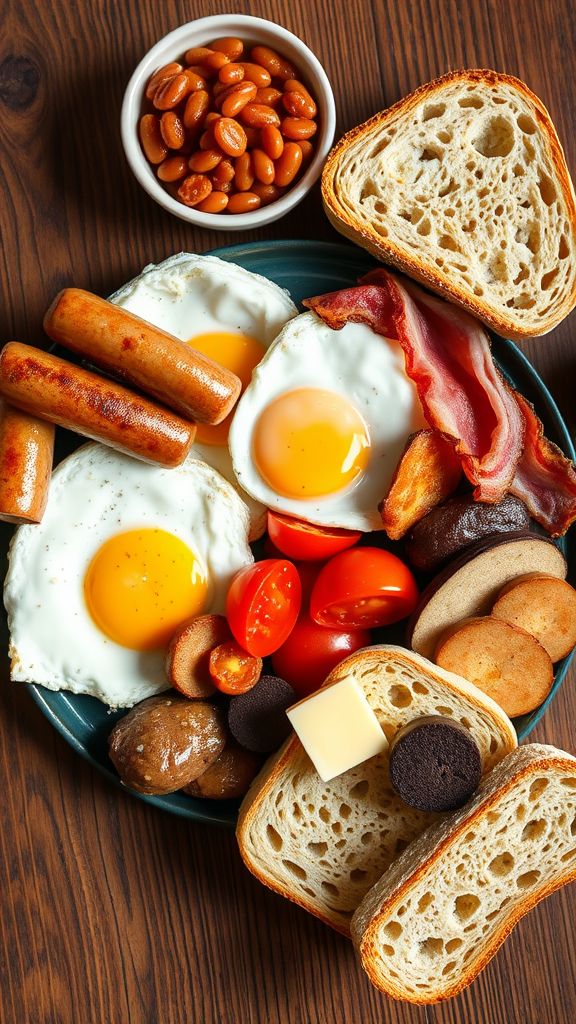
54	390
131	348
26	450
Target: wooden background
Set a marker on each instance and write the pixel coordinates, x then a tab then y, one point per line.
110	911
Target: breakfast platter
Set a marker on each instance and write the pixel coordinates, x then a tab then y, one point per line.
302	268
294	546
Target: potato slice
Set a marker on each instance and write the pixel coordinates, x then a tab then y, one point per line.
187	661
428	472
165	742
503	661
470	584
545	607
228	777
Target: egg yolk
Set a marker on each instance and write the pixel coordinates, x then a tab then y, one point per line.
237	352
141	585
310	442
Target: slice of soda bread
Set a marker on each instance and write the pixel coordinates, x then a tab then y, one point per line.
463	185
436	918
324	844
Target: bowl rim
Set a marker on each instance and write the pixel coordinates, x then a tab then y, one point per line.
131	107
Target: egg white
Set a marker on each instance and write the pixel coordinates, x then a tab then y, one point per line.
362	367
95	494
192	294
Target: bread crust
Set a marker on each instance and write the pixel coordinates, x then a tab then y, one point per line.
249	807
388	252
275	766
363	936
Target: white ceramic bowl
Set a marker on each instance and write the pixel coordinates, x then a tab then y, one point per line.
201	32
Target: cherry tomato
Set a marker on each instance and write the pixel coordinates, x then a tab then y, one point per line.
363	588
312	651
263	604
232	669
308	573
306	542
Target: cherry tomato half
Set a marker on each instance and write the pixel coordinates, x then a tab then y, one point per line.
306	542
263	604
232	669
363	588
312	651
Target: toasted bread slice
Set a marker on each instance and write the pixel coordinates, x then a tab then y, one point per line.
436	918
463	185
324	844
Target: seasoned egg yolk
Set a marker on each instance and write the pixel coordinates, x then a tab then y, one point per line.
141	585
237	352
310	442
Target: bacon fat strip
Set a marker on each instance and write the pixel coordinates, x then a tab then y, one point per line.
545	480
136	351
26	451
69	396
449	360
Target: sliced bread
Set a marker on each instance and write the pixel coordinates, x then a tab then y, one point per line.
463	185
324	844
436	918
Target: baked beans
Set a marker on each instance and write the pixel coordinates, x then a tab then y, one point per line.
229	127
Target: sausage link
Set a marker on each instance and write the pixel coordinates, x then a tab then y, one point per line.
26	450
143	355
57	391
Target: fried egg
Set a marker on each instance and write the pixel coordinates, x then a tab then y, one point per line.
224	311
319	431
125	552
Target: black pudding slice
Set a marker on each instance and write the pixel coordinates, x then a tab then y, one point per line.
434	764
257	719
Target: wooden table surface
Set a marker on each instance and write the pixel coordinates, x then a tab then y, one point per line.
111	911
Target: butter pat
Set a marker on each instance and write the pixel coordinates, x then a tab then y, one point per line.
337	728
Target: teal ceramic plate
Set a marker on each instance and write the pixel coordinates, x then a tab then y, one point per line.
304	268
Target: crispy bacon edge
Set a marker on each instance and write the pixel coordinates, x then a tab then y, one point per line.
545	480
519	459
448	357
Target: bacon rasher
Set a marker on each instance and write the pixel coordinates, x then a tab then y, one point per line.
545	480
447	354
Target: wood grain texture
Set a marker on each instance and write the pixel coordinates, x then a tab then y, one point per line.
110	911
